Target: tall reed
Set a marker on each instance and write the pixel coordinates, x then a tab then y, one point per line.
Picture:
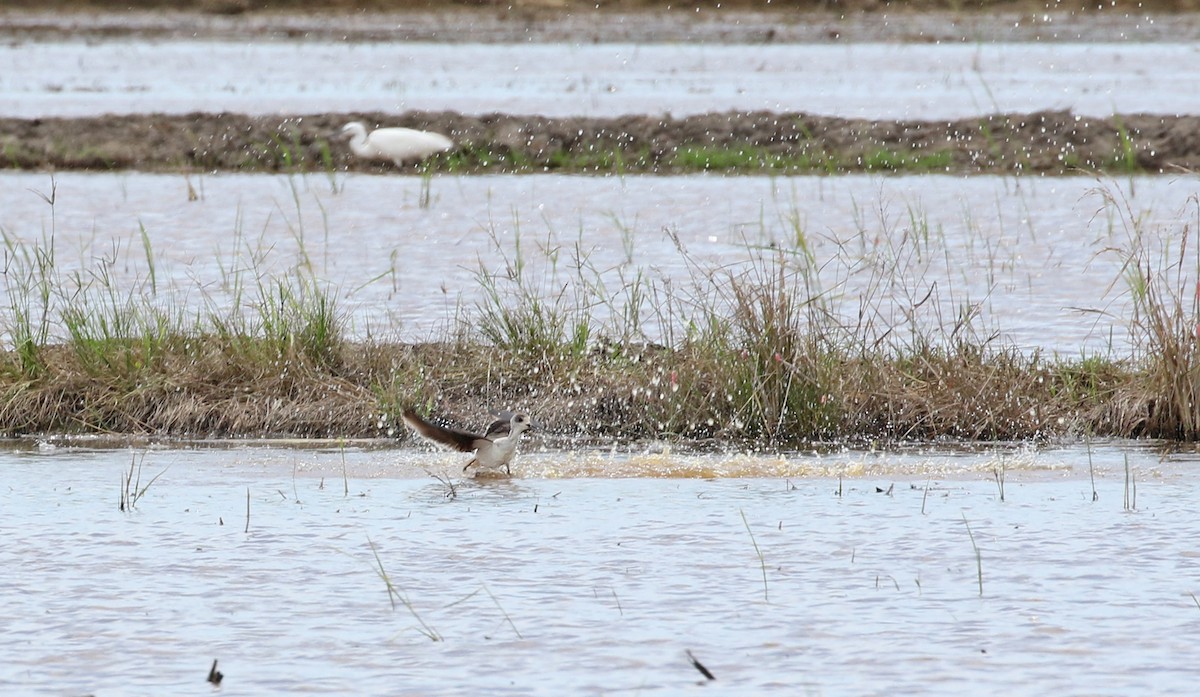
29	284
1160	272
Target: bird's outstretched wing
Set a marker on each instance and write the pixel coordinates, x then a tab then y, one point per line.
459	440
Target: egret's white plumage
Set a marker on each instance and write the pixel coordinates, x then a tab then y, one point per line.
400	145
492	449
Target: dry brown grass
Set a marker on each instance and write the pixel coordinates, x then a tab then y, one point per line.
689	394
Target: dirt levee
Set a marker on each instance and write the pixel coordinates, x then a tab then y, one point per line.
1044	142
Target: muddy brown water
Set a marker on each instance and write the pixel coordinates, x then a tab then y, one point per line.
576	578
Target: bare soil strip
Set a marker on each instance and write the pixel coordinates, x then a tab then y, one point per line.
1048	142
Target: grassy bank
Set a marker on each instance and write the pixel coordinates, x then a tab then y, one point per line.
750	351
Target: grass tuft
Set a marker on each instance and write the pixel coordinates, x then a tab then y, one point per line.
132	490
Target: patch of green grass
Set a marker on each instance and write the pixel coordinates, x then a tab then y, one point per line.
1088	380
900	161
517	314
754	158
1125	159
30	283
470	158
17	155
298	315
593	160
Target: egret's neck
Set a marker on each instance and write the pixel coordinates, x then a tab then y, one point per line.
358	142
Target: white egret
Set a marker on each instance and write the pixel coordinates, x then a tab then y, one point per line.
492	449
400	145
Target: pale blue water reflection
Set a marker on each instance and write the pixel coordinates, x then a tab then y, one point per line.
946	80
591	586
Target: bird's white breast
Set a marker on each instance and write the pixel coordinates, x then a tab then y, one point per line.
498	452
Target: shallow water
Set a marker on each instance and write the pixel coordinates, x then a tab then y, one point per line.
1033	255
543	585
871	80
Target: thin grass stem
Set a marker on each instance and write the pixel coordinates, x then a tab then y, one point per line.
761	561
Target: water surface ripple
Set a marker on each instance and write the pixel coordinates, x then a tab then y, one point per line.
587	586
868	80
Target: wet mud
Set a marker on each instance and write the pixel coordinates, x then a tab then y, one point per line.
1054	142
586	21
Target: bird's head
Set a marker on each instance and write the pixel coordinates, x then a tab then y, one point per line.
350	130
520	423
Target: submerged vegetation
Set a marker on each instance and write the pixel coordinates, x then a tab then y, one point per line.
758	350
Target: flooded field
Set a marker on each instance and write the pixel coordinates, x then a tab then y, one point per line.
870	80
785	578
371	568
1035	255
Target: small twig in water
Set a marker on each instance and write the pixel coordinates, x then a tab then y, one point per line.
345	479
247	509
700	667
391	589
978	556
502	612
451	492
925	496
1130	501
295	492
215	676
394	595
1091	468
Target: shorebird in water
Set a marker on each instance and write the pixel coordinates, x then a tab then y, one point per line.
492	449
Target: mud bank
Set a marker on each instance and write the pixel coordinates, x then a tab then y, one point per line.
1049	142
612	20
560	21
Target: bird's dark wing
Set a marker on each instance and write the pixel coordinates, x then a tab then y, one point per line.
500	428
459	440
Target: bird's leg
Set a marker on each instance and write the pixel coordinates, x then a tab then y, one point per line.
508	469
